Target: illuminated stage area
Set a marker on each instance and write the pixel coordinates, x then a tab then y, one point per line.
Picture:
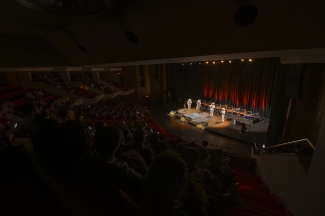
255	130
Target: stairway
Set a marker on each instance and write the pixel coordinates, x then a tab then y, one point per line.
255	196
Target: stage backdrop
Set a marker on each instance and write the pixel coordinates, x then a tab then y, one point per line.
243	84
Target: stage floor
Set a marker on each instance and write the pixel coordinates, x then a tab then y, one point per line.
255	133
222	134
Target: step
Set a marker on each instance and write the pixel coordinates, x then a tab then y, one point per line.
255	192
259	208
254	211
254	187
254	195
267	203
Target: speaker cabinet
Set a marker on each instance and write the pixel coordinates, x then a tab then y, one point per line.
256	120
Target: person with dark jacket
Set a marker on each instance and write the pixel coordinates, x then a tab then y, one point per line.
138	145
107	169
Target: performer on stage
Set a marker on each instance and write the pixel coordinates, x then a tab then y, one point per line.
189	103
198	105
223	113
212	106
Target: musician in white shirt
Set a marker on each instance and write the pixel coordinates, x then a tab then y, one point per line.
198	105
212	106
223	113
189	103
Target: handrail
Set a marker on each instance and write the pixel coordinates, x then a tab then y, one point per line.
222	147
287	143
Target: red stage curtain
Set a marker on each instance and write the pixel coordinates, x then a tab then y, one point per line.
243	84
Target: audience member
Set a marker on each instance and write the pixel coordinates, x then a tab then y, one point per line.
138	145
166	180
205	144
29	110
204	156
107	169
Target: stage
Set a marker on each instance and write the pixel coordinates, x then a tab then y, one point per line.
216	132
255	131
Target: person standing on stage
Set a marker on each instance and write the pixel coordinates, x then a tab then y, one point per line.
189	103
212	106
198	105
223	113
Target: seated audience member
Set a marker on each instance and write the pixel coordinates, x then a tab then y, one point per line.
152	141
156	146
29	110
161	138
5	128
191	156
165	187
204	156
205	144
39	118
180	148
3	112
217	162
138	145
107	169
69	144
99	125
210	183
192	144
128	138
43	134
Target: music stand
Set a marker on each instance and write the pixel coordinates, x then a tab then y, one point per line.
217	122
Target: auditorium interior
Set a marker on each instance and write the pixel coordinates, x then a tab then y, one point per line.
132	65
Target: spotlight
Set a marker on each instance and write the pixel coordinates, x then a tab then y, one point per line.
221	61
242	59
229	61
206	62
250	60
213	62
191	63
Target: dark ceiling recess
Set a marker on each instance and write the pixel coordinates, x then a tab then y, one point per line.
133	38
82	48
246	15
68	7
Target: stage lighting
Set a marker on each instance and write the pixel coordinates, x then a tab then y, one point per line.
221	61
206	62
229	61
213	62
250	60
242	59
